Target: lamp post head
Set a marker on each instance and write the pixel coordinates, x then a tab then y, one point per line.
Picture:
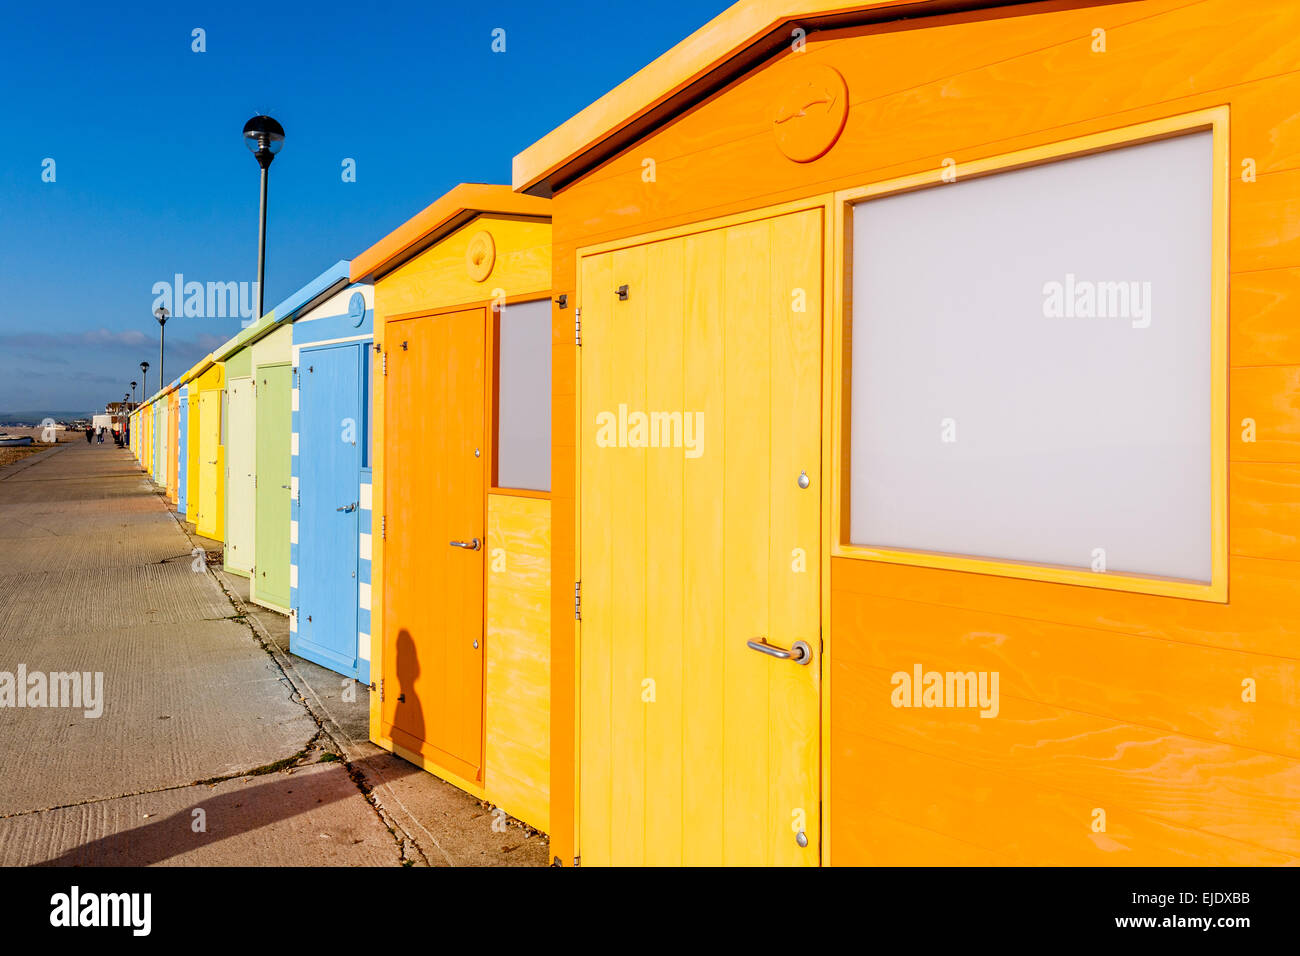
161	314
264	137
144	368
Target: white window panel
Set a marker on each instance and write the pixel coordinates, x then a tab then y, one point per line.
991	417
524	396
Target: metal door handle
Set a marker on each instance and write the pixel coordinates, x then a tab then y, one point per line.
473	544
799	652
347	507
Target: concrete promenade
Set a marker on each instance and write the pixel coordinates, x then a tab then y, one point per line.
211	746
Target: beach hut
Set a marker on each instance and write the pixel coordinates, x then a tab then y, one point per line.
160	439
173	440
182	447
257	448
329	539
240	442
209	433
192	431
941	576
459	597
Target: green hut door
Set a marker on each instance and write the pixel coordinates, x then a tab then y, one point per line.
271	538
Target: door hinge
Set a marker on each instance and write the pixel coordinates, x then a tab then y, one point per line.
385	362
577	600
383	527
381	689
577	326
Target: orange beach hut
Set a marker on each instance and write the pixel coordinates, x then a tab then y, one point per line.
460	600
969	533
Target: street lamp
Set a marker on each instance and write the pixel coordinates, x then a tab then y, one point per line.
144	379
161	315
133	393
263	136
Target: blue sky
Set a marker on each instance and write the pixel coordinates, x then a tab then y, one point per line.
151	177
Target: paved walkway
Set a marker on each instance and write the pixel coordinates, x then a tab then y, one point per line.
213	746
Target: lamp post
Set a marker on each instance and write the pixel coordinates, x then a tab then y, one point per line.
161	315
144	379
263	136
133	393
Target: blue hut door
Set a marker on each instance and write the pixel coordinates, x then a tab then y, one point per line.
331	432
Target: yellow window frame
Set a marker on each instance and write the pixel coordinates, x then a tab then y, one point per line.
1214	120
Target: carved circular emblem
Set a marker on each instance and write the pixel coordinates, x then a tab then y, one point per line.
810	115
481	256
357	308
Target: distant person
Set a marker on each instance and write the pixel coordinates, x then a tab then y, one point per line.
90	434
101	435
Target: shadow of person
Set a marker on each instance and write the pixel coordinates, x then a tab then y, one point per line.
235	809
408	715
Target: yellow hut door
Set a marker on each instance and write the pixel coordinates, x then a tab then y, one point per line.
699	641
436	528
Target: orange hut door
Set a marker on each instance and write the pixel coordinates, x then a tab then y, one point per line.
433	595
699	540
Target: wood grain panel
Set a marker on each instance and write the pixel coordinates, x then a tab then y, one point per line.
1026	783
666	721
1264	330
1250	621
1270	397
1264	510
437	278
1189	689
517	683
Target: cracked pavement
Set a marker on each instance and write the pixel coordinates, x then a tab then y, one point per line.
215	747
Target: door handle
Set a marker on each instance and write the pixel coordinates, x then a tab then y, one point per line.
473	544
799	652
347	508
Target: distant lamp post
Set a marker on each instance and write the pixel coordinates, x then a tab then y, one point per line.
263	136
161	315
144	379
133	393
